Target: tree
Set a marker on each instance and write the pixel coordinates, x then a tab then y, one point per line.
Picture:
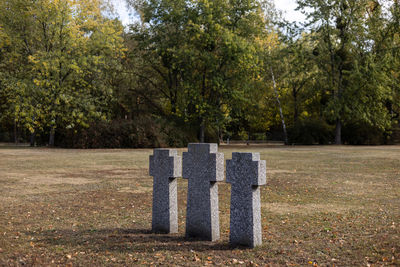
204	53
299	72
344	54
15	27
61	49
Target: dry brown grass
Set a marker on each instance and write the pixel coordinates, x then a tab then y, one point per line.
321	206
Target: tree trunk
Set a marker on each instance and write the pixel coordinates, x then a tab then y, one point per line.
296	108
218	135
280	108
15	132
338	132
51	137
173	106
202	128
32	140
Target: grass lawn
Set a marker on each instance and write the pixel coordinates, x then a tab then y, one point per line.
330	205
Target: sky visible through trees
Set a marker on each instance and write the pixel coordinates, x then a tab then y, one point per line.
286	6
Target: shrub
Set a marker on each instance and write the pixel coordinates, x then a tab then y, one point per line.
310	131
362	134
121	133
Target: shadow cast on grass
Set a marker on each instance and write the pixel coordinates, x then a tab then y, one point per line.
123	240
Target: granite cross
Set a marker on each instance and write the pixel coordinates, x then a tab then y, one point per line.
165	166
203	166
245	172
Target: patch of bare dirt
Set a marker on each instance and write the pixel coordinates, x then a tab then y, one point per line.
306	209
51	180
136	190
273	171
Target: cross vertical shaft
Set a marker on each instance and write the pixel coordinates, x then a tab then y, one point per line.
246	172
165	166
203	166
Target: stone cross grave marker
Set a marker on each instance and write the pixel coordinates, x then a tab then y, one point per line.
165	166
245	172
203	166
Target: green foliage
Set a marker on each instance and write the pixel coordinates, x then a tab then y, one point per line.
353	71
198	70
120	133
310	132
55	54
212	66
114	134
363	134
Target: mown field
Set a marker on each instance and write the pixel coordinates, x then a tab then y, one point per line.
332	205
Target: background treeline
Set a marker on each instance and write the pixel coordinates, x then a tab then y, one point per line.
202	70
